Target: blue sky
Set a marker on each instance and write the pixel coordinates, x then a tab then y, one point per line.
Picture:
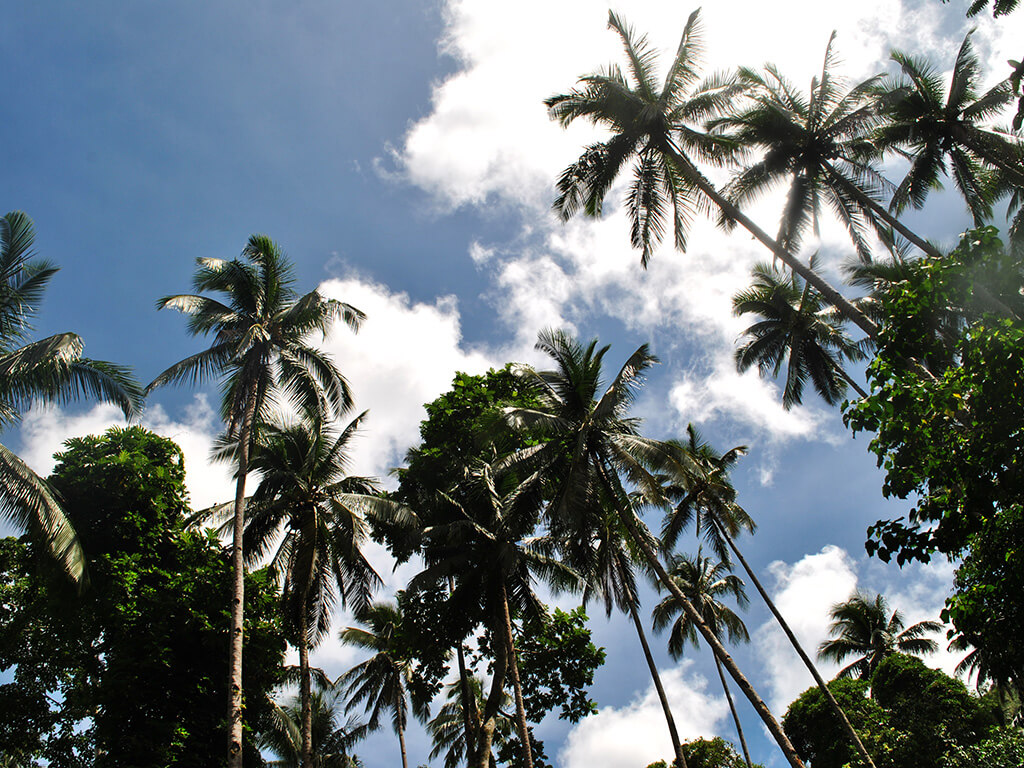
400	154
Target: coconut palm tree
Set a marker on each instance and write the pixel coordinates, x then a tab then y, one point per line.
862	627
260	326
820	144
932	130
316	516
824	145
382	681
48	370
587	442
657	130
705	496
332	740
797	330
704	581
447	728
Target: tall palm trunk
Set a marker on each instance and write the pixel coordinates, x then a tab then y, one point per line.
632	527
238	590
468	707
401	731
830	294
513	667
306	699
677	748
732	708
490	715
838	710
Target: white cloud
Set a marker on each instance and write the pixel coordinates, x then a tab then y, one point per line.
806	591
45	428
636	734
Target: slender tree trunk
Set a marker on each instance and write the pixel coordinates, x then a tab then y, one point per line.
305	696
238	591
491	706
401	744
468	706
830	294
838	710
732	708
513	668
846	377
632	526
677	747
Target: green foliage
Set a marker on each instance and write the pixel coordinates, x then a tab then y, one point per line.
1003	750
709	753
132	670
557	665
915	716
951	436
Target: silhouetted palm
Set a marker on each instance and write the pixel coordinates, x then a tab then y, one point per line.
796	329
657	130
863	627
447	730
260	326
48	370
332	741
704	582
931	130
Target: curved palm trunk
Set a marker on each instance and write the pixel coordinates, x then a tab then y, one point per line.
672	732
838	710
490	715
238	590
401	745
846	377
735	716
513	667
830	294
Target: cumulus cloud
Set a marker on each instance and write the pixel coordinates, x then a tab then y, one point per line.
635	734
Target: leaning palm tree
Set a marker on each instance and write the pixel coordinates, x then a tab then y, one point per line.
862	627
611	576
260	326
795	329
704	581
932	129
316	515
657	130
332	739
48	370
382	681
703	494
587	443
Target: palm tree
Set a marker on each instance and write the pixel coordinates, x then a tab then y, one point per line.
259	350
585	442
447	728
862	627
332	740
704	581
51	370
305	494
382	681
824	144
795	329
821	144
483	550
931	130
652	129
705	496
